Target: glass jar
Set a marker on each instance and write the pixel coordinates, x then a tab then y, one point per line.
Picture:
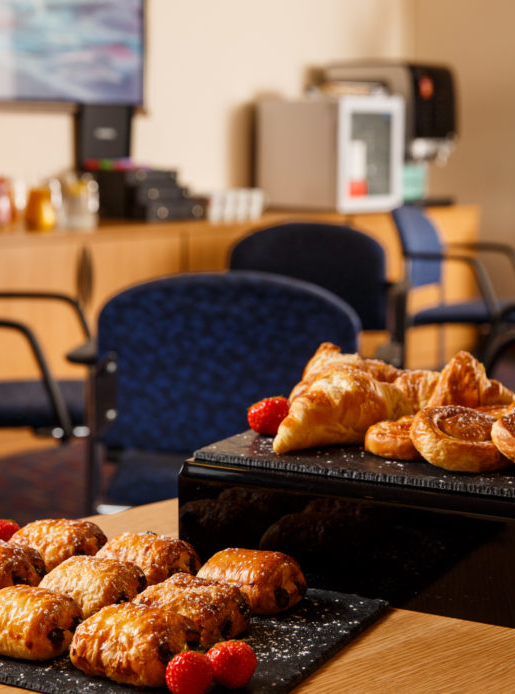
40	213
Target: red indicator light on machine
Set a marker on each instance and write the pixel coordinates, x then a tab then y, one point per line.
426	87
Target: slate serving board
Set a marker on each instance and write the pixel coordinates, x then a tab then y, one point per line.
289	647
354	463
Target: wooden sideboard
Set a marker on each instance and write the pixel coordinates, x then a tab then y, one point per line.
95	265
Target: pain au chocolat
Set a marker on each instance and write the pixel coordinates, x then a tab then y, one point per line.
36	623
159	556
20	565
56	539
94	582
271	581
131	644
219	611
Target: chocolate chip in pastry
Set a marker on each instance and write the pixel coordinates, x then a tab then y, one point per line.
94	582
457	438
272	581
36	623
391	439
220	611
20	565
131	644
56	539
159	556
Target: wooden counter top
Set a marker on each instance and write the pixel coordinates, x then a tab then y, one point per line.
403	653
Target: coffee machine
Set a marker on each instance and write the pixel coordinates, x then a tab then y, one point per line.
430	107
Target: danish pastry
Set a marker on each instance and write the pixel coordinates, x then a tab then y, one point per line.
94	582
60	538
458	438
158	556
272	581
36	623
463	381
130	644
219	611
391	439
503	435
20	565
337	408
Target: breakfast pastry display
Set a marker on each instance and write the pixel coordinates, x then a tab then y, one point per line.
457	418
139	608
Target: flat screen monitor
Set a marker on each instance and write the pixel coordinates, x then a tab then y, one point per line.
75	51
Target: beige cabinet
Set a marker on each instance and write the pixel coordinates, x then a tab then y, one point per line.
94	266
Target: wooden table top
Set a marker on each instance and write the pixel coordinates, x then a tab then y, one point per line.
402	653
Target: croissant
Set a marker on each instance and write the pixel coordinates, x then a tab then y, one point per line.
337	408
418	385
463	381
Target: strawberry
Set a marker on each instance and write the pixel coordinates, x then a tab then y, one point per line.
233	663
189	672
266	415
7	528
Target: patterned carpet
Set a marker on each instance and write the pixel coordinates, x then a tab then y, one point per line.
47	483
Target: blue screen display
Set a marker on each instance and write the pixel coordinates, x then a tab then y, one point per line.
80	51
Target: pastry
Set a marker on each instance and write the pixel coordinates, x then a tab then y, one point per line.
417	385
503	435
58	539
158	556
458	438
36	623
20	565
337	408
94	582
130	644
463	381
219	611
391	439
272	581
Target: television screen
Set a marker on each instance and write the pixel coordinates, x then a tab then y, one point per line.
79	51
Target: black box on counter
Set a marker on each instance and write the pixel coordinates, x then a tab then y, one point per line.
149	194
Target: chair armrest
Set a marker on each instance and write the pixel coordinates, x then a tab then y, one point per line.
86	353
53	296
487	247
481	275
49	382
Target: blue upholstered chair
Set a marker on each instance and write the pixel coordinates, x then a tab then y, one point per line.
349	263
424	256
189	354
46	405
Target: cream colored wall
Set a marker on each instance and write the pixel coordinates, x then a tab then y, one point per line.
476	38
207	62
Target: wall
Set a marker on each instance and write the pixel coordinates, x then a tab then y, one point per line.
207	62
476	38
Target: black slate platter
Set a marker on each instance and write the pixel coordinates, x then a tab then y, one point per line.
289	647
354	463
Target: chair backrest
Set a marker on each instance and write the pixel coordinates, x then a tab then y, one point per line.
349	263
418	234
194	351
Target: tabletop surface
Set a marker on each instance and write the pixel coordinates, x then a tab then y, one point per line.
402	653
